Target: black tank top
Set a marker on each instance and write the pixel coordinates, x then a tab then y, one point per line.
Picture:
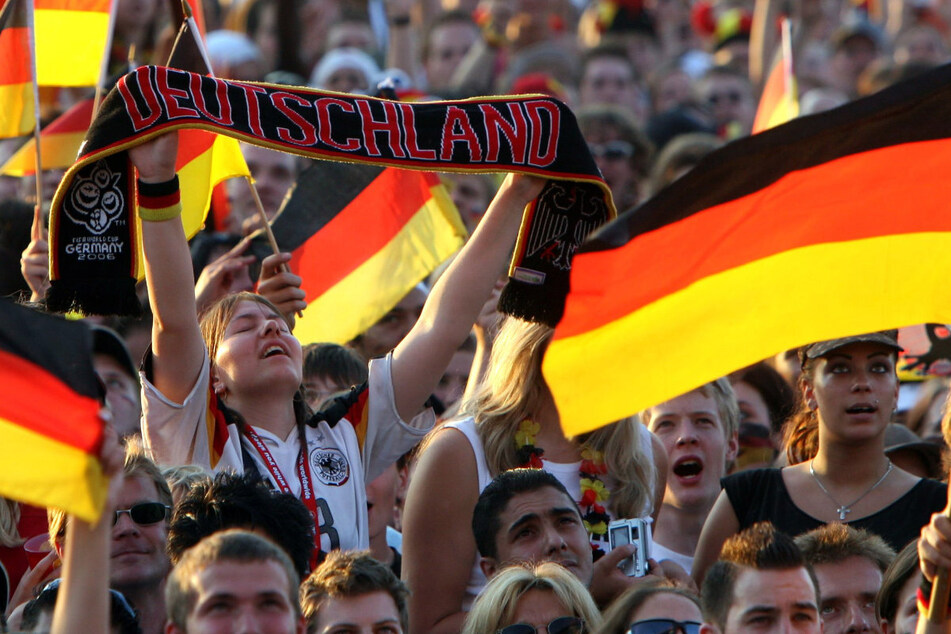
760	495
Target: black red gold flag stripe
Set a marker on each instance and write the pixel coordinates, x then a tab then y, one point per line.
829	225
361	237
16	75
49	413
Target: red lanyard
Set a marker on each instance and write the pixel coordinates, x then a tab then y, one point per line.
303	474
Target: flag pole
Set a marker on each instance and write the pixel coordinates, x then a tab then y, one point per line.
104	66
787	54
36	231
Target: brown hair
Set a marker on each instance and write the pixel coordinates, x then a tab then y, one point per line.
350	574
620	614
833	543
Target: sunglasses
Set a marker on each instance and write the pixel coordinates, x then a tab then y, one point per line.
561	625
144	513
664	626
612	150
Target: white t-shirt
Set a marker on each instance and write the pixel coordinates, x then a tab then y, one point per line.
343	457
659	552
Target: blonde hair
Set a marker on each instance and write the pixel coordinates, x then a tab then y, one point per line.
181	478
513	389
495	606
9	517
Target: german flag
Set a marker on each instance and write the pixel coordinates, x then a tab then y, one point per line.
361	237
779	102
59	143
16	75
49	413
71	41
830	225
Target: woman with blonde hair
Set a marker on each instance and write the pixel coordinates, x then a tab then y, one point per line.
522	599
615	472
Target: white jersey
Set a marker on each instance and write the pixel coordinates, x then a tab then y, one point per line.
342	458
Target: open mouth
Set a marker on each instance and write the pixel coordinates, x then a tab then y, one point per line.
274	351
861	408
688	468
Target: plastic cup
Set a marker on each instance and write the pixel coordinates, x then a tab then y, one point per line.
36	548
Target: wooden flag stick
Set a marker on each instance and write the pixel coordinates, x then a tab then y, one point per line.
267	227
36	231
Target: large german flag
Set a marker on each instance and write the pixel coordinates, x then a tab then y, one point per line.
49	424
59	143
829	225
16	75
71	40
361	237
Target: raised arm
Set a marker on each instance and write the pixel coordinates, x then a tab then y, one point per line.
720	525
176	341
421	358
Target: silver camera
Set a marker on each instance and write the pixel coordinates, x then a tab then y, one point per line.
633	531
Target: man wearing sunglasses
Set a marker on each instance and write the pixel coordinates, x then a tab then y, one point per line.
762	584
138	564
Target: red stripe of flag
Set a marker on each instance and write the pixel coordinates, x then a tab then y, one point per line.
359	230
35	399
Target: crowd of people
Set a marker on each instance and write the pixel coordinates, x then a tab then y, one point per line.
417	478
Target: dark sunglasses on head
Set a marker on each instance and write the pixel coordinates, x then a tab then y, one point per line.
664	626
612	150
561	625
143	513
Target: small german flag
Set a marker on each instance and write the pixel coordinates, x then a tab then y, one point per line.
71	38
59	143
49	413
361	237
830	225
16	75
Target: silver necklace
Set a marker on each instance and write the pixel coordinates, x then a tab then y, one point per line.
845	509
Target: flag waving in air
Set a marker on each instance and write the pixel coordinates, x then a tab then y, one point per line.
71	41
50	429
827	226
779	102
361	237
16	73
59	143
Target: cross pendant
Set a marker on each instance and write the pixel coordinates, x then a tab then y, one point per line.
843	511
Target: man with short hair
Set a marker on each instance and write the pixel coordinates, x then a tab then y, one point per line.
762	584
849	564
353	592
699	431
233	581
528	515
138	564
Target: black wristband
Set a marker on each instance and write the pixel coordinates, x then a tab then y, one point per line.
155	190
400	20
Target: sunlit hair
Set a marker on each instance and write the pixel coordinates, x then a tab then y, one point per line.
834	543
721	391
346	574
181	478
901	569
801	431
513	389
214	321
9	517
496	605
232	545
619	616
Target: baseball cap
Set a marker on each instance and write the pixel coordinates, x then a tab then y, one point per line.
887	338
108	342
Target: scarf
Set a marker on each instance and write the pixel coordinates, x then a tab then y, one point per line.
94	234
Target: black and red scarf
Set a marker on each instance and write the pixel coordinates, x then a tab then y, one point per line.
93	232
